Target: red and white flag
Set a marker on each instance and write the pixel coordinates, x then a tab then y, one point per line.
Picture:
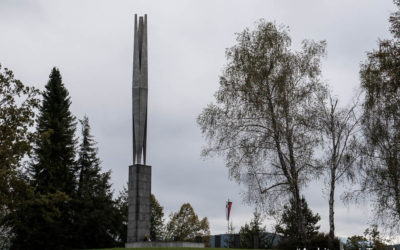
228	209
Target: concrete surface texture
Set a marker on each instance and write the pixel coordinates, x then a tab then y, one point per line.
139	202
139	186
139	90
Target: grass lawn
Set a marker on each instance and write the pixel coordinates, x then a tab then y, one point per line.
165	248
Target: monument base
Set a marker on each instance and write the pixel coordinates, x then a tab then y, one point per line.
139	203
174	244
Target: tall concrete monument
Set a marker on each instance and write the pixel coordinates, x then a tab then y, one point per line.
139	187
139	90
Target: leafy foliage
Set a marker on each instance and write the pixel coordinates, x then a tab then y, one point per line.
17	112
355	242
121	205
157	229
371	239
185	225
380	78
341	150
373	236
264	119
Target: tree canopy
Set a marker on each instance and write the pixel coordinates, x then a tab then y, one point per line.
66	203
339	127
264	118
45	219
380	78
356	242
185	225
95	216
17	113
157	228
56	144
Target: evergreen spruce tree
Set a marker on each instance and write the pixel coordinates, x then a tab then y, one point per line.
45	221
55	149
88	164
95	214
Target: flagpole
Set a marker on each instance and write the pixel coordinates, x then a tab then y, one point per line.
228	216
228	211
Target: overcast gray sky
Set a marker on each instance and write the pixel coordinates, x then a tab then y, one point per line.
91	42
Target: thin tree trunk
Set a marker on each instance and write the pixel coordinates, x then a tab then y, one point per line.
331	209
300	218
291	173
333	166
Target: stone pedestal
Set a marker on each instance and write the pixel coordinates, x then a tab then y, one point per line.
139	199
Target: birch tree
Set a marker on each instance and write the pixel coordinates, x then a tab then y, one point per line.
380	79
339	128
264	118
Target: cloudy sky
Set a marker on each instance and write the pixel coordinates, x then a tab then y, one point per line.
91	42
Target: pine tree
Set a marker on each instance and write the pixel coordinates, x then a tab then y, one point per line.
53	169
95	213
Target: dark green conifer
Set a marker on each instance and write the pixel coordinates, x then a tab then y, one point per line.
53	169
89	165
45	221
95	214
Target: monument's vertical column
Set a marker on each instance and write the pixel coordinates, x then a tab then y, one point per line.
139	215
139	186
132	204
